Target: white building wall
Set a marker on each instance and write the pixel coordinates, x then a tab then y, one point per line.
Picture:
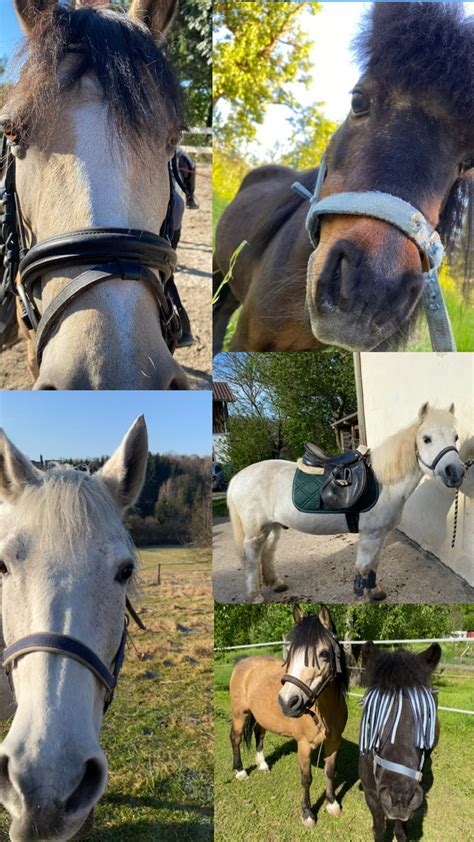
394	386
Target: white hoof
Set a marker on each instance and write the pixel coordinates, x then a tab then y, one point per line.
333	809
257	600
263	767
241	775
309	823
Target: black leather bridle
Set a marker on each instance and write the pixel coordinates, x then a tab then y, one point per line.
312	695
70	647
109	254
437	457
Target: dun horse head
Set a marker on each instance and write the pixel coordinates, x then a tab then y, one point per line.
409	134
96	115
66	563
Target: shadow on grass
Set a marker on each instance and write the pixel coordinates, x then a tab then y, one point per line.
164	831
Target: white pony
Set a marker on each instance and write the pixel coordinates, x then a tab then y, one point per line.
260	504
66	561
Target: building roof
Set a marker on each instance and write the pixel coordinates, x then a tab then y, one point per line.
222	392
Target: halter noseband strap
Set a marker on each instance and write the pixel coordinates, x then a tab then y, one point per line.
437	458
406	218
70	647
399	768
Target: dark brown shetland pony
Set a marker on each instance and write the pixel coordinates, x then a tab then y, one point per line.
399	729
410	133
303	698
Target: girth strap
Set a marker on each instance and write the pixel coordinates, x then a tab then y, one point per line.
399	768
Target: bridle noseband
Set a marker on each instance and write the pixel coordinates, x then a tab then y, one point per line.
406	218
109	254
70	647
437	458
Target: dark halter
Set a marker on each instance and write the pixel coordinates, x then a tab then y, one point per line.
437	458
312	695
70	647
109	254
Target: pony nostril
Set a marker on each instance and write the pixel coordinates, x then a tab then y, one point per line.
46	387
90	787
293	702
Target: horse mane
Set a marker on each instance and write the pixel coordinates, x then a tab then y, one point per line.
395	458
428	47
422	47
399	670
286	203
307	634
72	502
136	78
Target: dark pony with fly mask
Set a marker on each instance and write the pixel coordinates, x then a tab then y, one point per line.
409	135
303	698
399	729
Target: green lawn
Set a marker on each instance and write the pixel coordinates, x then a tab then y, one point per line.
219	508
158	733
267	806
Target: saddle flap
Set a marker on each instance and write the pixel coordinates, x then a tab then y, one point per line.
344	485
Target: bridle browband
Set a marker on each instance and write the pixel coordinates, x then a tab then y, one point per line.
70	647
410	221
312	695
109	253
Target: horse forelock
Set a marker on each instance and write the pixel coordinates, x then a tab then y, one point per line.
136	78
66	509
422	47
306	636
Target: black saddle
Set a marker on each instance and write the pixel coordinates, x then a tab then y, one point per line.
345	475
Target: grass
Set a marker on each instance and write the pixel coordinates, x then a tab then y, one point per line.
267	806
157	735
219	508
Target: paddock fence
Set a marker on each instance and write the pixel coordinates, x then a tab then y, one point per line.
466	641
197	132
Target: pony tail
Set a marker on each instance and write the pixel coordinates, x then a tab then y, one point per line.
236	522
249	727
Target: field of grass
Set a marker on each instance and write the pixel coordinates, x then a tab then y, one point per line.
157	734
267	806
219	508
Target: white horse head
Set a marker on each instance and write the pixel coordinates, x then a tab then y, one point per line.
96	116
436	446
66	561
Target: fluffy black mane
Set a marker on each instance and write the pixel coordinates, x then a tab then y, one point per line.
399	670
137	80
309	633
422	47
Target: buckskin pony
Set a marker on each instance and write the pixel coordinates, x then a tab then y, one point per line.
410	134
303	698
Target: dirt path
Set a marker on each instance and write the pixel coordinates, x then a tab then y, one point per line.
193	279
320	568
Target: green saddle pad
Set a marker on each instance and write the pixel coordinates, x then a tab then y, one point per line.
306	495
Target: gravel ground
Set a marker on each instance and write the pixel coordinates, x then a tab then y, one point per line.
320	568
194	282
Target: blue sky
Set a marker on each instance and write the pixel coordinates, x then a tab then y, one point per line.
60	425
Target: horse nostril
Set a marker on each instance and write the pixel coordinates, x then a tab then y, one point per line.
46	387
90	787
293	702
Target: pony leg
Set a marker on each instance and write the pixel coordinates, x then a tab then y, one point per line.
399	829
253	567
333	807
236	731
262	764
368	556
378	816
304	757
270	576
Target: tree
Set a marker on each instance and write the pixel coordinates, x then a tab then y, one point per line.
261	48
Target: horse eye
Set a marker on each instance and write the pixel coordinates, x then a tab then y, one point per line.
3	568
427	439
360	103
325	655
125	573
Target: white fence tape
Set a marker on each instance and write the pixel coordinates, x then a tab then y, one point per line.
402	640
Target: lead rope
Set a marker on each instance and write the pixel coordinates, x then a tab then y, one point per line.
455	519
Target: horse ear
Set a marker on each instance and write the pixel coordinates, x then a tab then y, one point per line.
124	472
423	410
27	11
297	614
157	15
431	656
451	409
325	617
16	471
